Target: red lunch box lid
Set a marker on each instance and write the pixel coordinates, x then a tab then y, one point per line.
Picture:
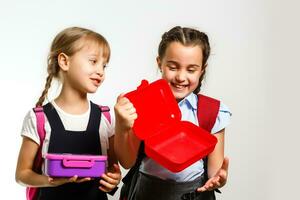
173	143
155	106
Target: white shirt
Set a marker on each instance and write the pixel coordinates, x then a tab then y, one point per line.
188	107
72	123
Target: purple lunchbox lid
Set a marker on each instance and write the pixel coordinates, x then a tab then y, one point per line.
75	157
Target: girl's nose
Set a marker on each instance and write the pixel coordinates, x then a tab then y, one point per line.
180	76
100	70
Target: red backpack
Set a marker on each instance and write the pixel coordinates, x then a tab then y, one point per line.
31	192
208	109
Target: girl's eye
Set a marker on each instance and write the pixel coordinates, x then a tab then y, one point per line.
191	70
93	61
172	68
104	66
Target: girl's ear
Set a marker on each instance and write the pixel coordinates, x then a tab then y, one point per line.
158	61
63	61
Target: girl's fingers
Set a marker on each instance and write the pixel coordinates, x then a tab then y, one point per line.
131	111
223	174
114	172
58	181
127	110
217	184
135	116
204	187
120	97
216	179
209	185
106	185
104	189
73	179
201	189
110	180
125	106
83	180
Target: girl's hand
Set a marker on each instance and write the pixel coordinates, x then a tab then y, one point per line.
125	113
110	180
60	181
218	180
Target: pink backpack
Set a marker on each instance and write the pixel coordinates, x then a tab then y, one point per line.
31	192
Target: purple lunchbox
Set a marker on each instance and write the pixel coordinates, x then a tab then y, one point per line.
68	165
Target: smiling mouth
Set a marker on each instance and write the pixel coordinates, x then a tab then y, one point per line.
178	87
96	81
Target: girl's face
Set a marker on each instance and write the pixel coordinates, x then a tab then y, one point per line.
181	66
85	71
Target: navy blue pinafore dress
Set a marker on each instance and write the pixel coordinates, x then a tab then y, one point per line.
74	142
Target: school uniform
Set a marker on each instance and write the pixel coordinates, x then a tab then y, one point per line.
156	182
62	136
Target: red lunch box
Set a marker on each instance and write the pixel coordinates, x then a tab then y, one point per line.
172	143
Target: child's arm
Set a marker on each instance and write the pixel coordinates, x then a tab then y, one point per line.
112	178
24	173
217	166
111	154
215	158
26	176
126	143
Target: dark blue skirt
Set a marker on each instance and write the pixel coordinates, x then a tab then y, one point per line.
150	187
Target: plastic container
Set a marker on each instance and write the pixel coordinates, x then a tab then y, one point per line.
68	165
172	143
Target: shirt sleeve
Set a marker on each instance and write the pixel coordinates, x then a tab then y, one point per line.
223	118
29	128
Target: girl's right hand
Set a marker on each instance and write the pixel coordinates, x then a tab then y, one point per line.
218	180
60	181
125	113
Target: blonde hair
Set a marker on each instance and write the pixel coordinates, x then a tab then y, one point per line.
66	42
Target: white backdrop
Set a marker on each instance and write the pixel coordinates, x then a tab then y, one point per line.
253	69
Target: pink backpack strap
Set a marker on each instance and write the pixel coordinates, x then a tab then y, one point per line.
40	122
105	110
31	193
208	109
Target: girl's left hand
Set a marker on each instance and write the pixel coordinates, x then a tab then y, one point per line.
218	180
110	180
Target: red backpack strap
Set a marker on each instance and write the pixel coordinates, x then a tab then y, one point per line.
105	110
208	109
